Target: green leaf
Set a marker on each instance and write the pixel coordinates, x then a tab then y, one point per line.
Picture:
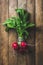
20	13
25	17
7	21
10	25
30	25
24	24
19	10
26	32
10	22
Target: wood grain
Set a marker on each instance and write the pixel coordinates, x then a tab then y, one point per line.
22	4
0	33
4	34
8	56
21	57
12	34
39	32
31	11
0	36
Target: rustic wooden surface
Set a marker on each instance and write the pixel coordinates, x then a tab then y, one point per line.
30	9
0	32
4	35
39	32
12	34
7	54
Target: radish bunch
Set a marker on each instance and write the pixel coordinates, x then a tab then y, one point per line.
21	47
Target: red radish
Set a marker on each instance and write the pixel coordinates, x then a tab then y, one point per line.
23	44
15	45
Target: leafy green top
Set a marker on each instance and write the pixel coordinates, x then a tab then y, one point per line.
20	23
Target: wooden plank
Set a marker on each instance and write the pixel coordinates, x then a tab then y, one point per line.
31	11
12	6
22	4
12	34
39	13
0	34
39	32
21	57
4	34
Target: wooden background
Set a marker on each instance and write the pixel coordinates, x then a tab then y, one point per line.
7	55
